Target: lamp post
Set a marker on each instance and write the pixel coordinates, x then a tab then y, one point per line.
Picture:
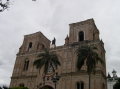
55	79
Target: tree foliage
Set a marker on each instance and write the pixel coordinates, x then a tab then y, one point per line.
4	6
117	85
89	55
0	87
4	87
47	59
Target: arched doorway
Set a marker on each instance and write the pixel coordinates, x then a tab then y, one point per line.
47	87
21	85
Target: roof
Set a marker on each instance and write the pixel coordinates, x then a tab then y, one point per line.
37	33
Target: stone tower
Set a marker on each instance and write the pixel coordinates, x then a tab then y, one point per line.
85	30
81	33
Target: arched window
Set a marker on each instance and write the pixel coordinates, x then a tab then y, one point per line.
29	46
80	85
81	36
26	65
21	85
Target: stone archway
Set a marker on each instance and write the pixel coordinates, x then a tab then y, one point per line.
47	87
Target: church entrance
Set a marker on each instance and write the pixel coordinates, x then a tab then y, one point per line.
47	87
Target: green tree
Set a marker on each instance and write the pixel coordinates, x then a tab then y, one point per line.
89	55
47	59
117	84
0	87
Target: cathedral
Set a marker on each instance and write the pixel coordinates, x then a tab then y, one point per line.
25	73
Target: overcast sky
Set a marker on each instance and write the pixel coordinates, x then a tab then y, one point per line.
52	17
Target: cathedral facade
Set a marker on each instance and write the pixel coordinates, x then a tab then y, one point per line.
81	33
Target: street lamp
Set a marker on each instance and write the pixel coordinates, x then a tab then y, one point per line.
55	79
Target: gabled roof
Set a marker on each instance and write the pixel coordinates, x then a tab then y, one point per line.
37	33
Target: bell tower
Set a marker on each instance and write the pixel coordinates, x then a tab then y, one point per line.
34	42
85	30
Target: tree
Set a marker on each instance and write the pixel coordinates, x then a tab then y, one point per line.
47	59
5	87
4	6
0	87
89	55
117	84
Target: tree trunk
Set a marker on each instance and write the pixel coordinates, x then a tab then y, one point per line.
52	67
44	81
55	85
89	81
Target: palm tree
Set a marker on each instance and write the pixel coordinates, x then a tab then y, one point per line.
89	55
46	60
